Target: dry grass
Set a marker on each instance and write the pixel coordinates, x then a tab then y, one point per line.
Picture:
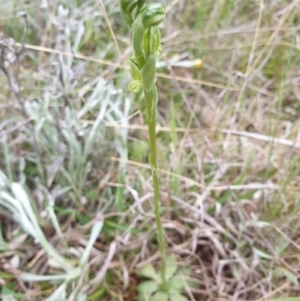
228	135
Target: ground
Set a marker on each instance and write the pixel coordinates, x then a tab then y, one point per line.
76	191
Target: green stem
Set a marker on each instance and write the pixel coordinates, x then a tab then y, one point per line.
151	119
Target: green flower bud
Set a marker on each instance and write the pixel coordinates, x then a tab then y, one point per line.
158	52
151	43
135	86
153	14
141	4
127	8
134	69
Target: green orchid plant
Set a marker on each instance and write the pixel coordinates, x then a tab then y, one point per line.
155	289
144	19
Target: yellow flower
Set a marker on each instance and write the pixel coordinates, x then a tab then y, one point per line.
198	63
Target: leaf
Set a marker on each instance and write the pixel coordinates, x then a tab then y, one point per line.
146	289
81	297
235	271
137	30
176	284
160	296
96	229
10	295
178	297
282	245
171	266
262	254
290	276
192	283
58	294
8	298
27	277
148	72
148	271
185	271
257	224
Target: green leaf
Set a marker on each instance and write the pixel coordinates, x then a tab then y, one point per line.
153	14
176	284
135	86
289	275
126	17
192	283
282	245
171	266
148	72
262	254
149	272
160	296
8	298
146	289
137	29
59	293
178	297
7	292
235	271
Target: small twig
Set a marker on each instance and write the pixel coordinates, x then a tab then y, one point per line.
79	283
282	287
106	18
251	135
121	66
193	182
14	128
262	138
